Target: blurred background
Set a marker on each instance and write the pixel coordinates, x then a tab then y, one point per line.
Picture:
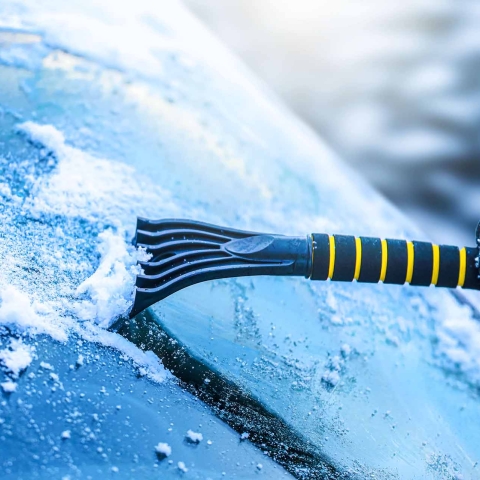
393	87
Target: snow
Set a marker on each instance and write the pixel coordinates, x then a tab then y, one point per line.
181	466
163	449
9	386
17	357
109	289
5	190
108	194
194	437
66	434
90	187
18	310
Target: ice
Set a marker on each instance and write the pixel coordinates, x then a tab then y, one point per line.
17	357
181	466
66	434
163	449
194	437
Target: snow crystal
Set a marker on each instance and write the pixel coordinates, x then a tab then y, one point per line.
8	386
181	466
16	358
194	437
244	436
163	449
46	366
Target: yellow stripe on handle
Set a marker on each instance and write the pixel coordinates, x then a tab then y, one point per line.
463	267
383	271
436	264
410	257
358	258
331	266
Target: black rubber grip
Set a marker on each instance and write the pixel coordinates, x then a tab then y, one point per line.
345	257
321	256
423	264
397	262
371	260
449	266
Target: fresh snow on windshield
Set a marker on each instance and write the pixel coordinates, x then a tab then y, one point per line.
85	291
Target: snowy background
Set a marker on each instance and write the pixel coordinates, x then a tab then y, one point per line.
394	87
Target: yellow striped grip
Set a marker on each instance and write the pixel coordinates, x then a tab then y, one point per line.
366	259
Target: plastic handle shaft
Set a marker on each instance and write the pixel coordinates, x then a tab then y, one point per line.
365	259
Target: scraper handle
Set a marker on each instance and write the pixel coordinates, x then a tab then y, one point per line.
365	259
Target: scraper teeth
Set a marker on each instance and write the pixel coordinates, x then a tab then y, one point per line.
183	253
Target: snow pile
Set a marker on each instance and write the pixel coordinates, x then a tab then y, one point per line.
17	310
194	437
109	289
163	449
9	386
16	358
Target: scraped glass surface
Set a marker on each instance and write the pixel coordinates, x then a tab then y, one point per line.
338	380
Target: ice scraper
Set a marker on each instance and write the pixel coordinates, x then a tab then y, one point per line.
185	252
